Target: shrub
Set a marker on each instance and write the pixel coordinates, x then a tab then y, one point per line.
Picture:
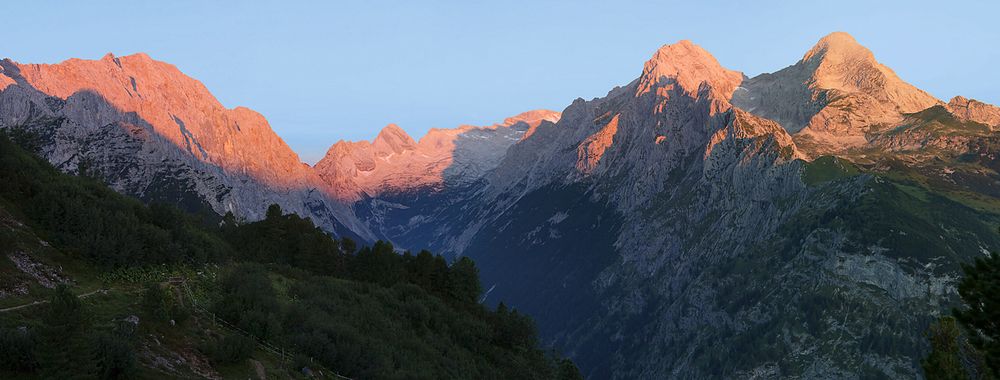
230	349
115	356
156	302
17	348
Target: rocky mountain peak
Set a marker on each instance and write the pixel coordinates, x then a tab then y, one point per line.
533	118
392	140
690	66
974	110
833	96
394	162
175	106
161	135
140	56
839	62
838	45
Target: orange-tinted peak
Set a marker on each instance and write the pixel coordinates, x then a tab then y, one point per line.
392	130
393	139
111	58
838	38
974	110
684	52
533	117
690	66
139	56
839	44
959	99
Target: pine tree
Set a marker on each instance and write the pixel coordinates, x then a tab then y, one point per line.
463	281
348	246
115	354
980	291
60	341
945	360
273	212
567	370
156	302
421	270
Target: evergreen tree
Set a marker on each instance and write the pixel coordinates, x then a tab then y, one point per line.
17	350
463	281
273	212
420	270
156	302
413	317
249	300
379	264
980	291
566	370
945	360
60	342
513	329
115	354
64	314
439	277
348	246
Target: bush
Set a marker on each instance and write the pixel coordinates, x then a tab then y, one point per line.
17	348
230	349
156	302
248	300
115	356
567	370
982	307
62	337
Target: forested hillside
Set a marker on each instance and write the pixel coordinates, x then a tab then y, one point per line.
96	284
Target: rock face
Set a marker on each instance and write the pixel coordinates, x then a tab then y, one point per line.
640	133
152	132
833	95
591	150
976	111
685	225
179	108
394	162
672	229
689	66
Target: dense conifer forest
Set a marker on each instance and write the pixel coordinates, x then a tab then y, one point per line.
135	283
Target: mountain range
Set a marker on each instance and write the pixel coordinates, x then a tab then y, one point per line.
693	223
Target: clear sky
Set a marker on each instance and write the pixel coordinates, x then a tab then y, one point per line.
328	70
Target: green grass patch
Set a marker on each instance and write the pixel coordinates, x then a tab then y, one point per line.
827	168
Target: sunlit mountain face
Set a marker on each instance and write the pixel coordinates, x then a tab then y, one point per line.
693	223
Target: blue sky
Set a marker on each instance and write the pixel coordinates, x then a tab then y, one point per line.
324	71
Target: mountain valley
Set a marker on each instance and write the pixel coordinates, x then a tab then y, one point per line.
693	223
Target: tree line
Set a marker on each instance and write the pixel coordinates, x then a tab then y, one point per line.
369	312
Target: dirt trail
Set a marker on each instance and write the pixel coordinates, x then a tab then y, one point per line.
84	295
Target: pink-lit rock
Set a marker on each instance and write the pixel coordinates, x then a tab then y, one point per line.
690	66
974	110
180	109
833	96
393	161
